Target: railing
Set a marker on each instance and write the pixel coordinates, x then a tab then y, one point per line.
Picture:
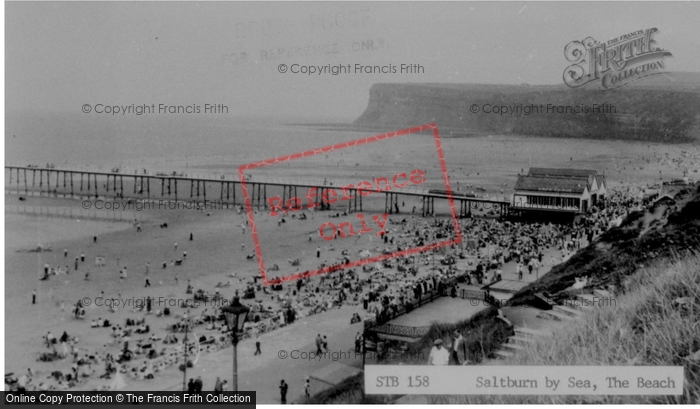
473	295
370	325
532	206
381	323
234	178
401	330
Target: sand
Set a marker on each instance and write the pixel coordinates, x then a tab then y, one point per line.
217	249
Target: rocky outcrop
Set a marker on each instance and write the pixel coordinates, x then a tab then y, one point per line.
662	108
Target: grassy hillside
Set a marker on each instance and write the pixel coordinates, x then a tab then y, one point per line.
666	230
648	326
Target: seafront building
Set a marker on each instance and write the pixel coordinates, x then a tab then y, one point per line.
559	190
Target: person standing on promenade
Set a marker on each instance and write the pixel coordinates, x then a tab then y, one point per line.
190	386
520	271
257	345
283	391
319	341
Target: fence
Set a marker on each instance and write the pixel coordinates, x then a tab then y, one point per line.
473	295
401	330
381	325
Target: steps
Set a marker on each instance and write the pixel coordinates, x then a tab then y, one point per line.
568	310
519	342
527	332
552	314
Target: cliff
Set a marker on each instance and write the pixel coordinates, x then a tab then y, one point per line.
661	108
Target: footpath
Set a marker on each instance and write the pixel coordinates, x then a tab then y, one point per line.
263	373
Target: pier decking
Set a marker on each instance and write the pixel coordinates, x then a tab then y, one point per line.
83	183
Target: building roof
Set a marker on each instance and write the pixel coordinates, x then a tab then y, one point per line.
551	184
572	173
578	174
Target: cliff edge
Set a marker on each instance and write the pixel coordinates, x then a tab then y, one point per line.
660	108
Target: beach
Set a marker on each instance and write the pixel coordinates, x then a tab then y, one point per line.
221	245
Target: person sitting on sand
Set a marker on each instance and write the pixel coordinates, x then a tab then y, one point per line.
50	338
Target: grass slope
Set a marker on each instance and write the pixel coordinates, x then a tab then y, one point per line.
646	327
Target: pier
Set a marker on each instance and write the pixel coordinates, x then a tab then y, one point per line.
54	182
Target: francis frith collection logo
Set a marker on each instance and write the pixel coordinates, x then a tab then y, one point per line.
614	63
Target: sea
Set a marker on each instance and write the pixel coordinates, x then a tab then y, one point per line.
103	142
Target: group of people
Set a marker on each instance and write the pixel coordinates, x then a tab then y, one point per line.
454	353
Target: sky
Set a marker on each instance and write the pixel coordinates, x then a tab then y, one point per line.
61	55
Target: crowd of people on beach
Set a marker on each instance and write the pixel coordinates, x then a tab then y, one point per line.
380	290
